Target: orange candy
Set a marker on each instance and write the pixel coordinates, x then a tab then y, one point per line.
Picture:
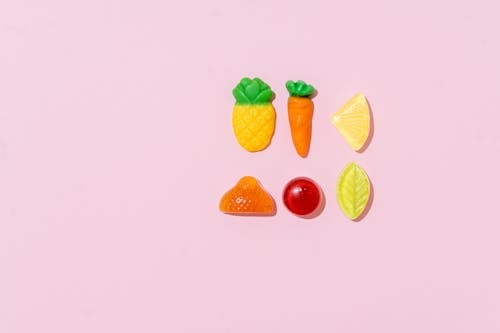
247	197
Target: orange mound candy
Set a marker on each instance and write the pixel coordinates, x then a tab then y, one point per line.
247	197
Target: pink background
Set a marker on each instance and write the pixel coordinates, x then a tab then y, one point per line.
116	145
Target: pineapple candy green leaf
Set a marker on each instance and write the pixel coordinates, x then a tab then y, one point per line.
252	91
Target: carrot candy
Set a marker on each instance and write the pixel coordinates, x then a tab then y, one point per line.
300	112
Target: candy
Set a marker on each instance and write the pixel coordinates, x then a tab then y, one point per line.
353	190
300	112
302	196
353	121
247	197
254	117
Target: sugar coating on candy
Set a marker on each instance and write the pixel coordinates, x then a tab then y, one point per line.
301	196
353	190
353	121
254	117
247	197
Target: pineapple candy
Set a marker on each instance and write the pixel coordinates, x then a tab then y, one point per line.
254	117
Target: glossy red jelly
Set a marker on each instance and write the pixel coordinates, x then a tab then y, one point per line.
302	196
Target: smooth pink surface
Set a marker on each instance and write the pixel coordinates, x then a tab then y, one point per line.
116	145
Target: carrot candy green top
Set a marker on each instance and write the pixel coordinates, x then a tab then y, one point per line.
299	88
252	91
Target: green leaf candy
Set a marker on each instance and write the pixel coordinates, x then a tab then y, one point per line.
353	190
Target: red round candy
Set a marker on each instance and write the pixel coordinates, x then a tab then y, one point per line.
301	196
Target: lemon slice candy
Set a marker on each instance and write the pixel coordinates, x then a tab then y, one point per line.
353	121
353	190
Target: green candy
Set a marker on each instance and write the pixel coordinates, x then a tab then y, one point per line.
299	88
252	91
353	190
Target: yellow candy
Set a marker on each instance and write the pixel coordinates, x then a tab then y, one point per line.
353	190
353	121
253	125
254	117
